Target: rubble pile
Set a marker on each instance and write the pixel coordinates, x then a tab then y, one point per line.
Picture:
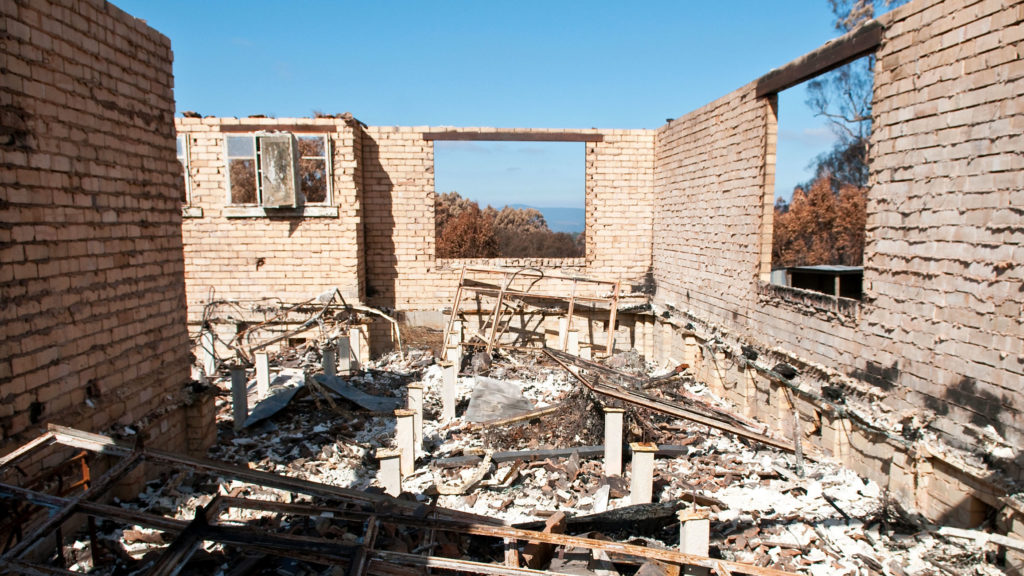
765	508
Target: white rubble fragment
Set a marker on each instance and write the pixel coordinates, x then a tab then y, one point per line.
785	509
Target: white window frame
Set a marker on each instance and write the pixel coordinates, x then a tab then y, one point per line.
183	159
326	209
227	169
328	167
187	209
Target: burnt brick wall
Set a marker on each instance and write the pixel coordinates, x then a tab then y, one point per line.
398	173
277	253
92	295
945	222
940	326
709	178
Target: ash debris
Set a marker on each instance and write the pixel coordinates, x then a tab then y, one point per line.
827	521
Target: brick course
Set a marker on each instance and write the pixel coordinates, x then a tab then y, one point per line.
90	245
940	324
289	257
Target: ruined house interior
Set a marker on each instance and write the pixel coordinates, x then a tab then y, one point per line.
242	378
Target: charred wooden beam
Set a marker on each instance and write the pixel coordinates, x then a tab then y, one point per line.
320	550
26	450
24	568
847	48
508	532
584	452
545	411
70	505
177	554
317	550
658	405
638	516
106	445
452	135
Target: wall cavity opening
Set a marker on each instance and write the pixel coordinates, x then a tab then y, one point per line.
510	199
821	181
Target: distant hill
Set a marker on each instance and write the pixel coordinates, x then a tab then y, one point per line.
561	219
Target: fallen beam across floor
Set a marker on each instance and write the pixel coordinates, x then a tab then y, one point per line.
508	532
584	452
669	408
106	445
312	549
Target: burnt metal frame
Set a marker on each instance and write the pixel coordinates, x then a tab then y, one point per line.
504	292
17	517
361	559
719	421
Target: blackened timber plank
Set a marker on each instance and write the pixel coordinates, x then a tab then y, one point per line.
514	136
26	450
295	128
848	47
585	452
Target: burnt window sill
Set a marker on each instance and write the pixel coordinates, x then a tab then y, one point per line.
525	262
809	302
261	212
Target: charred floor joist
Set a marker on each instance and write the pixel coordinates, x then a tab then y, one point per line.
359	513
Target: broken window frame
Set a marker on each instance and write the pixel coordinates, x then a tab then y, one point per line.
255	137
183	158
328	168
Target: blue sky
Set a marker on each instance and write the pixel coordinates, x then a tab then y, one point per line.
540	64
541	174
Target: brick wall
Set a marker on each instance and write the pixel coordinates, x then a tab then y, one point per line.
399	193
620	206
945	228
398	180
232	253
710	189
93	303
378	244
940	324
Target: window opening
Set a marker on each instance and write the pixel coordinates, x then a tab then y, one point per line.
279	170
186	181
821	181
241	153
509	199
313	168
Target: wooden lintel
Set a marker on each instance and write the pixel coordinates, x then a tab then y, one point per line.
848	47
514	136
295	128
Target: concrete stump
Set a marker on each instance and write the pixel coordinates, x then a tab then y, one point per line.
405	438
262	374
414	402
641	477
239	397
613	441
390	474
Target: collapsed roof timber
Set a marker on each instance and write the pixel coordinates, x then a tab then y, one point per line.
469	456
667	335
